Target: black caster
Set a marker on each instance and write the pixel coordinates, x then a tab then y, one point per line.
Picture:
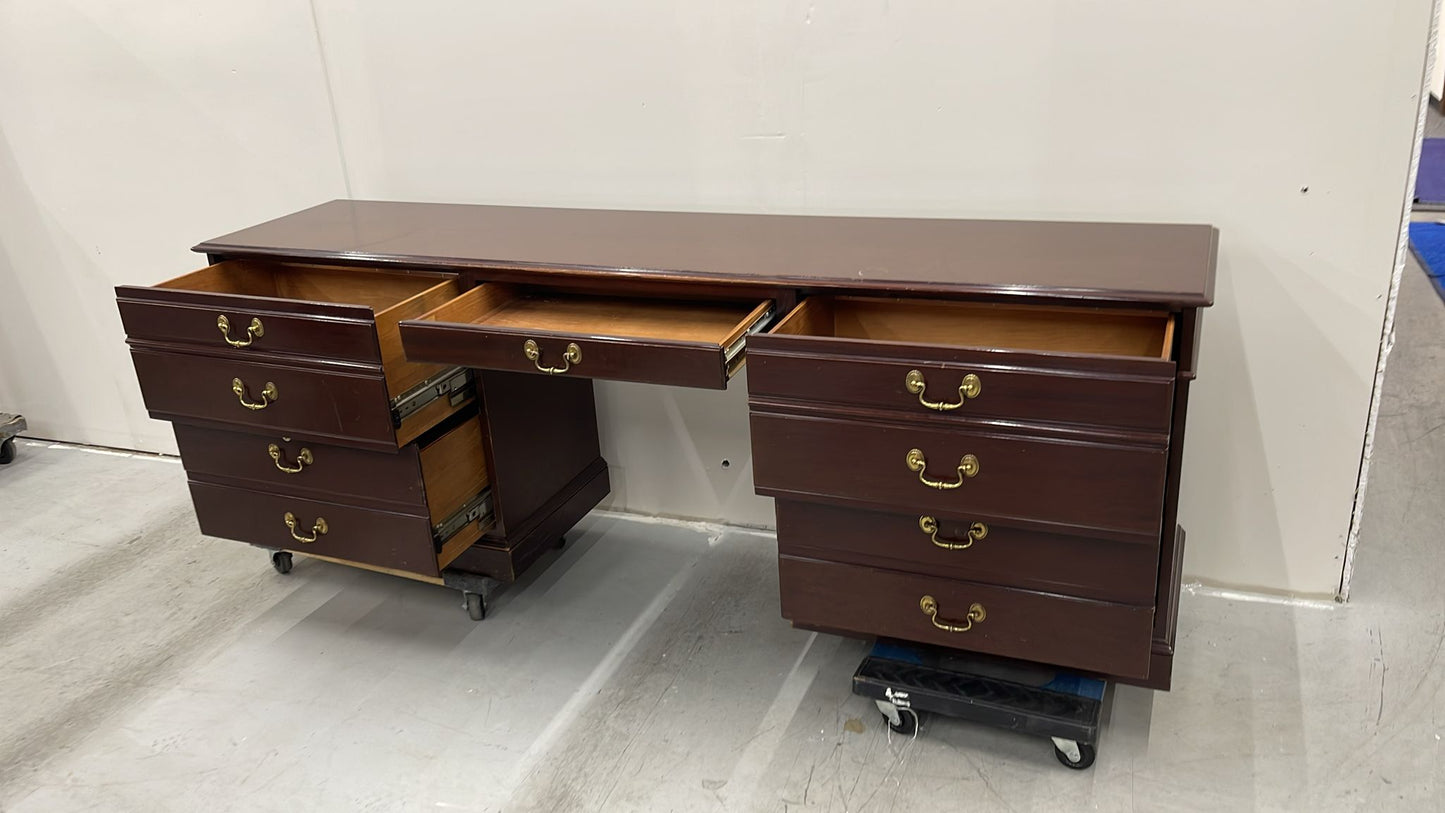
1076	755
907	723
476	608
281	561
907	719
7	451
561	542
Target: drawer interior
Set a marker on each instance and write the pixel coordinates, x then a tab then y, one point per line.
1094	331
510	308
453	471
391	297
378	290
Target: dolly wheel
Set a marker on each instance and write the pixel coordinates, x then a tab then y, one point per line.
476	608
281	561
7	450
1076	755
907	722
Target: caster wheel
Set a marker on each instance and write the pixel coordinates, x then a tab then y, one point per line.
907	722
7	450
476	608
1083	759
281	561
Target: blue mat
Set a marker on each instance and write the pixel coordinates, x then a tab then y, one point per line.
1430	178
1427	240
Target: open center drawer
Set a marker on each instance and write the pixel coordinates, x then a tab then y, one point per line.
655	341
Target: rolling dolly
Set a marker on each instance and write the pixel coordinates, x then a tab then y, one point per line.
904	679
10	426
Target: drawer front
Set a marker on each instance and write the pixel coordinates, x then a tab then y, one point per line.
310	402
964	548
305	467
352	533
501	327
1112	639
1085	486
258	329
610	359
936	382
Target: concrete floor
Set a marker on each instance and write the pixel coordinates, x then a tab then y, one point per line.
145	668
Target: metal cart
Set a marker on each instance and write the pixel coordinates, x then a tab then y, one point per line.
904	679
10	426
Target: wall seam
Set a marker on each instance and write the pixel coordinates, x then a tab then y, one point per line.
331	98
1387	329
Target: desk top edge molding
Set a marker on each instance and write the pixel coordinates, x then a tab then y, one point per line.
1162	264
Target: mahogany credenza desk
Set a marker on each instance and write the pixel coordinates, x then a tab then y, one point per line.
973	429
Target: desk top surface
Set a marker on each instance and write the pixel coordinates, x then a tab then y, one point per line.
1162	264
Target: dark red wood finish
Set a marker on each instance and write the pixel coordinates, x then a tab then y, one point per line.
506	557
337	472
1102	569
541	435
649	361
1166	264
344	332
330	403
356	534
1091	635
1080	455
1057	485
1116	392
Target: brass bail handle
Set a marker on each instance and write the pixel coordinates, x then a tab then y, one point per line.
303	459
269	394
929	525
967	467
970	388
254	331
318	528
976	615
533	352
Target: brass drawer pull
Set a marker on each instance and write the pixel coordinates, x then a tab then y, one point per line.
318	528
303	459
976	615
254	331
967	467
572	356
929	525
269	394
970	388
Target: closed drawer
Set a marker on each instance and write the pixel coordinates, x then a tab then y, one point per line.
432	477
348	532
504	327
961	547
1095	636
1043	483
326	404
967	360
240	308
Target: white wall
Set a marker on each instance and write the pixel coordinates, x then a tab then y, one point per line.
1131	110
129	131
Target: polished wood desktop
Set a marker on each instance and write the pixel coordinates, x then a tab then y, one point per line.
973	429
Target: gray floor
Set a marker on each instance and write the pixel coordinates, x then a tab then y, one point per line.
145	668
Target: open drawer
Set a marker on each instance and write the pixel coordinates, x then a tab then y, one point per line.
242	308
654	341
1094	366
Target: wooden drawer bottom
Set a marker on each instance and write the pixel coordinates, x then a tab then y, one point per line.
1095	636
